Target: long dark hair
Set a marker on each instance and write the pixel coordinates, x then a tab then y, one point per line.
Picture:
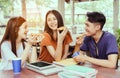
11	32
59	19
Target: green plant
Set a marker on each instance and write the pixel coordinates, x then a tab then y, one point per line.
117	33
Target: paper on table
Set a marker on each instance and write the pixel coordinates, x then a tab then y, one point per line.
66	62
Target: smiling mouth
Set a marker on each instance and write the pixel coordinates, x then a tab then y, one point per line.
53	25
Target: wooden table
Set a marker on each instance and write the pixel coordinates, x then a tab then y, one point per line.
102	73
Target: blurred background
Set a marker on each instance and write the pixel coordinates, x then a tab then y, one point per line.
73	12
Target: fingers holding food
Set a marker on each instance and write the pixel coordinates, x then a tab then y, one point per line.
81	35
35	37
80	38
61	28
39	37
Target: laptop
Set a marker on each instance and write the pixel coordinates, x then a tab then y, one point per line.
44	68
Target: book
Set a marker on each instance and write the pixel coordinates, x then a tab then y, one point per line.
81	71
66	62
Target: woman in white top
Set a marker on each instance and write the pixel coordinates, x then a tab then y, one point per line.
13	43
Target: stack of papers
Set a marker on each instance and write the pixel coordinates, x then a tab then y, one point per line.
66	62
79	71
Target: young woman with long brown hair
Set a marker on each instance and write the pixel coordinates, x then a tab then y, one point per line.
13	43
55	45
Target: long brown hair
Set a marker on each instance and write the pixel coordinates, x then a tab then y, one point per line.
59	19
11	32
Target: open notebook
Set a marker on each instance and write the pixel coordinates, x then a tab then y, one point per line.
66	62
